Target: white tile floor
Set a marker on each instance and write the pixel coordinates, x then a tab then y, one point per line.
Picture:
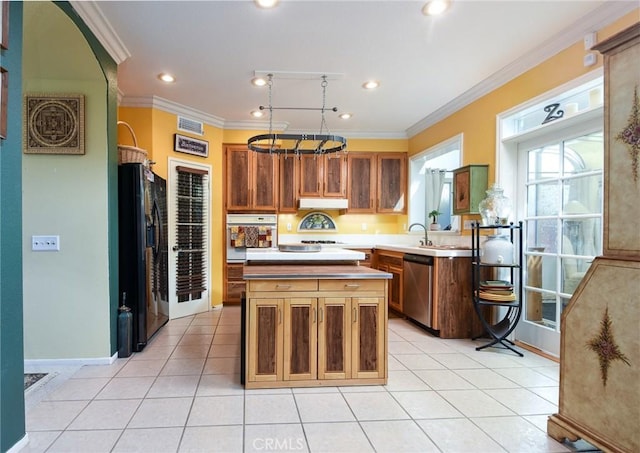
182	394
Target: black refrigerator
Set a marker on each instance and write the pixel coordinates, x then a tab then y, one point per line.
143	249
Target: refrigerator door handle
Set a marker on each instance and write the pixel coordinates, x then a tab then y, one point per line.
156	227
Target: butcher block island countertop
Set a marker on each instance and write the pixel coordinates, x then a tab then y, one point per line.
309	325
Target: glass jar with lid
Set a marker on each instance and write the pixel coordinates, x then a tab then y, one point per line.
495	208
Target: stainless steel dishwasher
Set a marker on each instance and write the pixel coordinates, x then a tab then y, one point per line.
418	280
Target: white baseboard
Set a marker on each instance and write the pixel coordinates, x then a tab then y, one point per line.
71	362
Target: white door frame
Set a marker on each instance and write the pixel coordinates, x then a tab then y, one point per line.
179	310
508	160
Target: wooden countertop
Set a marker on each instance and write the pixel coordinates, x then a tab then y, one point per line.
311	271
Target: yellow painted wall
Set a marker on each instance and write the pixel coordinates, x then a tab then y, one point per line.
154	130
477	121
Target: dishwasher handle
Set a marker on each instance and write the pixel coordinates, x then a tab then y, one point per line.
421	259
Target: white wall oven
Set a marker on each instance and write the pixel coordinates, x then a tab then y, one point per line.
245	231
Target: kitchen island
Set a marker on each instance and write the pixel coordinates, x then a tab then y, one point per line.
310	324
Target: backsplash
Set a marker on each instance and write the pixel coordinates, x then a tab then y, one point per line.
369	240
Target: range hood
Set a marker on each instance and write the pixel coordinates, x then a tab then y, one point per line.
323	203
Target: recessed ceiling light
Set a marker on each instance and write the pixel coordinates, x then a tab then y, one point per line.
345	116
257	113
167	78
266	3
435	7
259	81
371	84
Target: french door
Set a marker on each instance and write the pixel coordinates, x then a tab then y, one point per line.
189	231
560	198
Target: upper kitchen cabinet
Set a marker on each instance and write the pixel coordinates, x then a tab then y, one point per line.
251	180
361	183
289	184
469	188
323	176
377	183
392	183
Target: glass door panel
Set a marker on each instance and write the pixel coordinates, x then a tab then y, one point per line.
563	192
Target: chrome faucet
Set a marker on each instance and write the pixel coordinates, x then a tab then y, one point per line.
426	235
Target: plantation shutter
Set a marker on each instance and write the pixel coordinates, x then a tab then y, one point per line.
191	231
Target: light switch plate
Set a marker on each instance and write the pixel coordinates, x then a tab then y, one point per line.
45	243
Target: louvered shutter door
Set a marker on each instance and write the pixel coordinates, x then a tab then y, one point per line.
191	231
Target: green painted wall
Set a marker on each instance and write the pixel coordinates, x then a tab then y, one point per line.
12	426
69	298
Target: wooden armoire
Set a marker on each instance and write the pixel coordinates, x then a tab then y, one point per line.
600	343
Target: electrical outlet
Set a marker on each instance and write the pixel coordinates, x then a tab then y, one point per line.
364	227
288	227
45	243
468	224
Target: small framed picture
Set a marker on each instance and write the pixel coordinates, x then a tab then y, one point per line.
4	92
4	24
190	145
53	123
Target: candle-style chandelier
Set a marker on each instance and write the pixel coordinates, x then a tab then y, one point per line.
321	143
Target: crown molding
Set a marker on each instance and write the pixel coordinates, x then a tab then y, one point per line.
279	126
92	16
594	21
172	107
382	135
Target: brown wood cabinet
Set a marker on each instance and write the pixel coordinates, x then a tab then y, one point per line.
377	183
389	261
454	315
368	257
289	186
361	183
252	177
234	283
314	332
323	176
392	183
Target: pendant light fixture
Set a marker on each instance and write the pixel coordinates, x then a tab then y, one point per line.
321	143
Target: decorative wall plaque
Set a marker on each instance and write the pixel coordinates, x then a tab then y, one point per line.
54	124
190	145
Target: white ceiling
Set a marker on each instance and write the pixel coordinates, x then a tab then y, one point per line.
427	66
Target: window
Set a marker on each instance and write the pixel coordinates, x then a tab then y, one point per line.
445	157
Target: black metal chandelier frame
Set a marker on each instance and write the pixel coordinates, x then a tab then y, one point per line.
324	143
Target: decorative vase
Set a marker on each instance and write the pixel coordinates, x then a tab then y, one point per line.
495	208
497	249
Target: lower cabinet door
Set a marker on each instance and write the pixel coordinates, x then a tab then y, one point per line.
368	338
300	339
265	352
334	338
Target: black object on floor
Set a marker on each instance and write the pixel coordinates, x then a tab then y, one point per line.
32	378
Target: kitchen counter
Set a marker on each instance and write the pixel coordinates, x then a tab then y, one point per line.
325	254
328	271
438	251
